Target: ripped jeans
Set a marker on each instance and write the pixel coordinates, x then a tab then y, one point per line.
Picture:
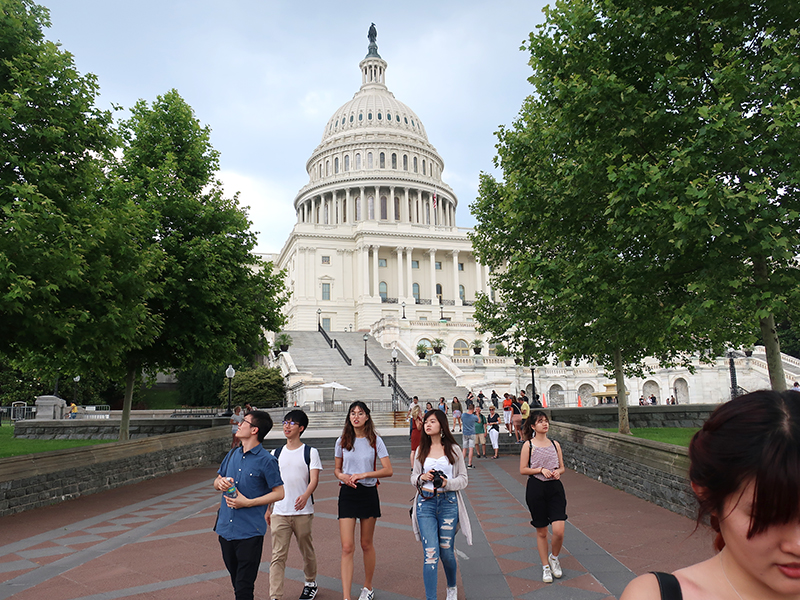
437	518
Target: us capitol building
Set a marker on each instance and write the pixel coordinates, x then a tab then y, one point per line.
376	249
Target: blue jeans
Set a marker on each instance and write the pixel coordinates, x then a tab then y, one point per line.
437	518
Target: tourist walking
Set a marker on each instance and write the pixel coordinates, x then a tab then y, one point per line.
358	452
236	418
294	515
439	475
416	431
541	460
745	475
493	422
456	408
495	399
480	433
516	418
469	419
250	479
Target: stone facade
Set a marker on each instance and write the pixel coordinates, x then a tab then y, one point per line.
109	429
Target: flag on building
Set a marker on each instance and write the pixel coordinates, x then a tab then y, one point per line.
434	198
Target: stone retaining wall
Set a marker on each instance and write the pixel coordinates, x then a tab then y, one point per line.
108	429
35	480
680	415
654	471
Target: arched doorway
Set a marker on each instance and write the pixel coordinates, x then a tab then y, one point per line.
651	388
585	392
681	391
555	396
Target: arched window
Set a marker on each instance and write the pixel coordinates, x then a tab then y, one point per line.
405	162
427	213
460	348
492	349
336	165
410	214
415	164
423	166
384	209
325	212
383	290
358	208
327	167
461	293
346	162
369	160
382	159
396	208
370	208
358	162
394	160
439	292
415	292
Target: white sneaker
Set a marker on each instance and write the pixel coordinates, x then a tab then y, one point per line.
547	576
366	594
452	593
555	565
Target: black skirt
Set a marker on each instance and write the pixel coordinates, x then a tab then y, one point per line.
360	502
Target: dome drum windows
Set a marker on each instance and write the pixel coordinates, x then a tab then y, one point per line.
382	160
346	162
369	160
394	161
336	165
358	162
405	162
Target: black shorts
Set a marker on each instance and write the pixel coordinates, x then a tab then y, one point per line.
546	500
360	502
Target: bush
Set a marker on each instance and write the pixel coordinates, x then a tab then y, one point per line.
263	387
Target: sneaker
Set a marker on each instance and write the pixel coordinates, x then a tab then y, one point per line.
470	467
369	594
452	593
309	591
547	576
555	566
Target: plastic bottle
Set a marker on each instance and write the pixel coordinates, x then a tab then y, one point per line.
231	491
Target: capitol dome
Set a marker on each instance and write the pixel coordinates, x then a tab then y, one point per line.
375	163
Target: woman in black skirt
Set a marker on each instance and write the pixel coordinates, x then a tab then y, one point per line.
541	460
361	459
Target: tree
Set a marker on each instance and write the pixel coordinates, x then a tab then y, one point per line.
67	300
214	298
262	387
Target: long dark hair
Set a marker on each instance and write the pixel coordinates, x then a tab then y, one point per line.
755	437
451	449
527	427
349	432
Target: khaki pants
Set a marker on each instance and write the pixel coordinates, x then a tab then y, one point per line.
282	528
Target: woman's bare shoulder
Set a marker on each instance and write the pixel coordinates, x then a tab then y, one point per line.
644	587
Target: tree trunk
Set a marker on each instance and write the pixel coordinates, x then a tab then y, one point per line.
769	334
622	395
777	378
125	421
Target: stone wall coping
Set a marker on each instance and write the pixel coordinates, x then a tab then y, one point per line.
661	456
42	463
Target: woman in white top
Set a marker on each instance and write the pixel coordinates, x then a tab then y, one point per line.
439	475
358	453
236	418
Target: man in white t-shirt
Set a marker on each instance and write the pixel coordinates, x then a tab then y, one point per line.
300	466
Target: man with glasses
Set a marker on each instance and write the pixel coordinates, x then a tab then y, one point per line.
300	466
240	522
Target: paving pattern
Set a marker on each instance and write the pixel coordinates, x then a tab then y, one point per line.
153	540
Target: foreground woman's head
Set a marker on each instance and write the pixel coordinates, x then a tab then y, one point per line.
747	456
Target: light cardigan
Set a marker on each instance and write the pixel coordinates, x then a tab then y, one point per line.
457	483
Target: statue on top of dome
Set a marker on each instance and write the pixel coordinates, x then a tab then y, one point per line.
372	35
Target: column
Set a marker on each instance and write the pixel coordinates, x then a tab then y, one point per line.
487	287
457	296
478	276
365	270
399	252
404	206
434	298
349	213
364	213
300	270
390	216
409	283
375	275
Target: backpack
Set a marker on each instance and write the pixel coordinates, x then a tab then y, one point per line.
306	457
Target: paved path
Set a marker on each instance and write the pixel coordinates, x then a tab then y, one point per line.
153	541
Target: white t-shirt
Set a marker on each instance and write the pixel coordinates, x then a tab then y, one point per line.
361	459
294	473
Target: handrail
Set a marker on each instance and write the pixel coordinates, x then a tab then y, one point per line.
325	335
373	367
398	390
342	352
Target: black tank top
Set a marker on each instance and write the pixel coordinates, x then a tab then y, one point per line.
669	585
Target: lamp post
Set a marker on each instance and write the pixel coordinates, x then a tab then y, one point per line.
732	368
365	338
394	362
404	309
76	379
351	327
533	382
229	373
319	318
441	313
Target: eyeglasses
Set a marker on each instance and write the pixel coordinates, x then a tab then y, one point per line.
290	423
246	421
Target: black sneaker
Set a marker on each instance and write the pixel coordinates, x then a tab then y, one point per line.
309	591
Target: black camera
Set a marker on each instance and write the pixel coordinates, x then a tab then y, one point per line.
438	479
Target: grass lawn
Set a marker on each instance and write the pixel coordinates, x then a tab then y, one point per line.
13	447
680	436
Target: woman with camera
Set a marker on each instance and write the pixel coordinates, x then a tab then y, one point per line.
439	475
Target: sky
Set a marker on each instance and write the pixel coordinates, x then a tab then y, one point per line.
266	77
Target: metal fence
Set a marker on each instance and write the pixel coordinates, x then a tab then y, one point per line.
329	406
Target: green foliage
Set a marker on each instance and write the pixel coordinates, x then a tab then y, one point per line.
161	398
477	343
283	339
263	387
200	385
422	350
18	386
437	343
9	446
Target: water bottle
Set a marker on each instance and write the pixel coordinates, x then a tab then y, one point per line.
231	491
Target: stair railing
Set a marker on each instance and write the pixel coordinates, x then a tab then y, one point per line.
399	391
342	352
325	335
374	368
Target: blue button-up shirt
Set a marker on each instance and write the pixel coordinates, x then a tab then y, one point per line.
255	473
